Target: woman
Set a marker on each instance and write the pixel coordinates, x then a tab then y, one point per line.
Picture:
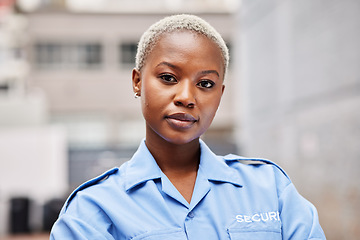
174	187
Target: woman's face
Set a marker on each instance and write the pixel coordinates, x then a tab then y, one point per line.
181	85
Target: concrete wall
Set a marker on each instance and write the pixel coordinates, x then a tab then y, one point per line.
300	68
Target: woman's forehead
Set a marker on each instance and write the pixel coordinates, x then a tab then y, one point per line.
183	40
186	47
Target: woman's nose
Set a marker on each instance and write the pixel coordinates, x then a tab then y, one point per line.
185	94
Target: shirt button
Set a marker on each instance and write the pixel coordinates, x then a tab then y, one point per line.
191	215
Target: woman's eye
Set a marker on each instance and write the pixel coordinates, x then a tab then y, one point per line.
168	78
206	84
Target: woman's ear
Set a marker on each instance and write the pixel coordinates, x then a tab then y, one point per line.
136	82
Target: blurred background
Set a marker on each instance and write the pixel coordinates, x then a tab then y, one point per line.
67	111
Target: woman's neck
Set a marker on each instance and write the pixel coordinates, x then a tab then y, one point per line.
175	158
179	163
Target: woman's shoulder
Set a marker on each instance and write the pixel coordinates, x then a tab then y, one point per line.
257	170
257	163
110	179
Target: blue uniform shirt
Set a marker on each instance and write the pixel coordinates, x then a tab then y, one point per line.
231	200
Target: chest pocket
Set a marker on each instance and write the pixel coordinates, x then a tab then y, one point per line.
168	234
255	231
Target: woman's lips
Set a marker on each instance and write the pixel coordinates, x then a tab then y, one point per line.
181	120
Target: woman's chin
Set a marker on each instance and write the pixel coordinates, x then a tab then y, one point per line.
181	140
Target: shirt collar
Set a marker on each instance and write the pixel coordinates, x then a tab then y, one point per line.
143	167
215	168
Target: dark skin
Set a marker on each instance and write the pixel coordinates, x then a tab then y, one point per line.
182	169
180	85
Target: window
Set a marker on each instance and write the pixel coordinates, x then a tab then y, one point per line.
127	53
52	55
4	87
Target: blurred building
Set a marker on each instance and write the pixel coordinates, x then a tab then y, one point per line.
32	152
300	71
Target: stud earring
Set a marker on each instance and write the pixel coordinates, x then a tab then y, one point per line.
136	95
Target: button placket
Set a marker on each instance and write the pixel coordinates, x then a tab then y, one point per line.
191	215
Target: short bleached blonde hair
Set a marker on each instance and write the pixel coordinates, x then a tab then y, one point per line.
177	23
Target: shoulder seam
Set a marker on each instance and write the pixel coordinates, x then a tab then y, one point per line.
89	183
253	161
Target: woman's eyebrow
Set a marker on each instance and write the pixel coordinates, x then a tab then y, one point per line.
204	72
167	64
209	72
